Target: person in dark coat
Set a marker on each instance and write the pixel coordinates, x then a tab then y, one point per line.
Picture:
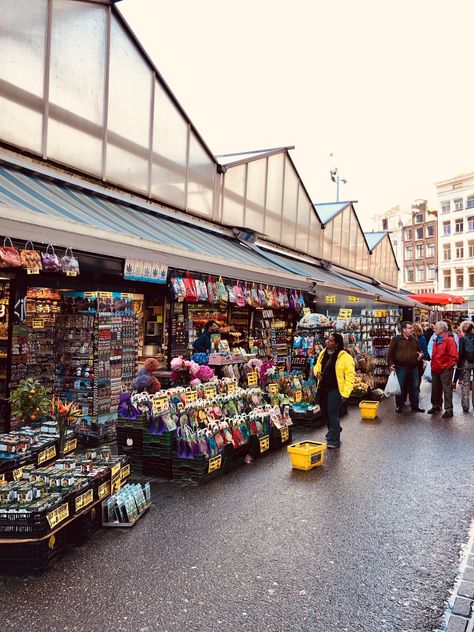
203	343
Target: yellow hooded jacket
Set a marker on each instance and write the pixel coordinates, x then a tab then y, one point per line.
345	371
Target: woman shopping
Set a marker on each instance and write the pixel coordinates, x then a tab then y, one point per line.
335	372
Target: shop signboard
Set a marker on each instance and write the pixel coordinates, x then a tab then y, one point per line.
148	271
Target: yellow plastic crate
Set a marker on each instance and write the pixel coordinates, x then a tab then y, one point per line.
306	455
369	410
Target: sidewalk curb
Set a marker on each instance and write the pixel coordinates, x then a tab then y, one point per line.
459	615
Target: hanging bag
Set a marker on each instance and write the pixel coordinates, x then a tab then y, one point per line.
393	385
50	260
201	288
212	291
222	296
178	291
231	294
190	291
30	258
9	255
239	295
69	263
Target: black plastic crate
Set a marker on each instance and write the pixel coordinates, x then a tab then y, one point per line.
198	470
280	437
36	524
32	558
157	466
83	527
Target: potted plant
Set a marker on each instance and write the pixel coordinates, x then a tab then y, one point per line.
65	415
30	401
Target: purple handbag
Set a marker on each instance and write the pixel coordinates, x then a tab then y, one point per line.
50	260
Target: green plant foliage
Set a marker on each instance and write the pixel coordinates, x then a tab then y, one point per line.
30	401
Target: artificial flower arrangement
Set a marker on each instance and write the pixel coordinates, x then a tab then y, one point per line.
65	415
145	380
189	372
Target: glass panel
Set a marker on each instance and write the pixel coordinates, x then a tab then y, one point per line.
355	239
290	205
316	235
305	208
200	179
336	239
170	132
274	197
76	92
234	189
327	241
23	41
129	112
346	235
255	201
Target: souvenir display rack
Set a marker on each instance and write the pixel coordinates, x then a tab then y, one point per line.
4	349
378	326
272	336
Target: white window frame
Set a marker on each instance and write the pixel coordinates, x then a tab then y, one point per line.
459	250
447	277
446	206
446	228
459	222
458	204
430	250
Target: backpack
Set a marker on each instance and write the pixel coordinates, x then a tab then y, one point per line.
469	347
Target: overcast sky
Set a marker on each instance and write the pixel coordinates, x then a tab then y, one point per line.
386	86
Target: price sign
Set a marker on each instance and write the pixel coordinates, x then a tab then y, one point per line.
115	469
298	395
125	471
90	294
47	455
264	443
58	515
215	463
70	445
32	271
231	388
344	314
84	499
330	298
18	474
273	389
71	272
37	323
190	397
210	391
104	490
306	311
353	299
105	294
252	378
160	404
380	313
127	295
285	434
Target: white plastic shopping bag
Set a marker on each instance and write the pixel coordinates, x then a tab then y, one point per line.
427	374
393	385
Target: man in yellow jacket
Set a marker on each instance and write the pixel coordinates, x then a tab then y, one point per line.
335	370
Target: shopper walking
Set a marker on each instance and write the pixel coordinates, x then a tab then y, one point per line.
404	354
443	360
335	370
466	364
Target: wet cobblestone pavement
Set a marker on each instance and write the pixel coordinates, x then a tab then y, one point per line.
367	543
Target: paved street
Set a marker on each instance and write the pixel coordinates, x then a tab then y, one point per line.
368	543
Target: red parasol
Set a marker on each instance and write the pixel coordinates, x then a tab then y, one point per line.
438	299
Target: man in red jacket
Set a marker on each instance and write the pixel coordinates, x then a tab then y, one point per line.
443	360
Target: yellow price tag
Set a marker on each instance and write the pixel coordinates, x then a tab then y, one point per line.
115	469
231	388
273	389
285	434
298	395
264	443
330	298
37	323
90	294
210	391
160	403
344	314
353	299
104	490
70	445
47	455
32	271
125	471
190	397
84	499
58	515
71	272
252	378
306	311
18	474
214	464
105	294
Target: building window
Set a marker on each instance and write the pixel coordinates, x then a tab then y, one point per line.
431	272
430	250
419	218
430	230
459	226
470	201
459	250
409	252
420	273
447	279
385	224
446	228
447	252
408	234
471	277
419	251
445	206
458	205
410	274
459	278
419	233
470	249
470	222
